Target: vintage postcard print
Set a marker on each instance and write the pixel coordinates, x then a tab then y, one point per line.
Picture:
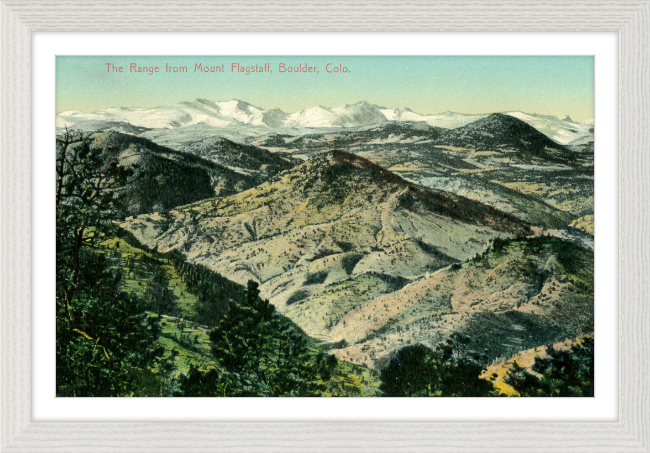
324	226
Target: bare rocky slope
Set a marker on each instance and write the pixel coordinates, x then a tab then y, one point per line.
517	295
370	262
331	234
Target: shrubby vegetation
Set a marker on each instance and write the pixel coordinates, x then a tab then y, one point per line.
214	291
570	256
449	370
260	354
559	373
105	341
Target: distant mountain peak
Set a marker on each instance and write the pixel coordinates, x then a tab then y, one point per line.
337	169
339	178
501	117
496	120
340	156
358	161
239	113
365	103
502	131
204	101
239	105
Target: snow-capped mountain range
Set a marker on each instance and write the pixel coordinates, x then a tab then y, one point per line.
237	113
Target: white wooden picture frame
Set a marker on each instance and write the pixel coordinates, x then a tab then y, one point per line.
631	19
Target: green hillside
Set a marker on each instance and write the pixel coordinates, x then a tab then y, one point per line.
185	341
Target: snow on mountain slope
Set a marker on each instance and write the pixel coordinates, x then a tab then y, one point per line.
360	114
200	111
401	115
156	118
563	131
246	113
452	120
318	116
237	113
355	115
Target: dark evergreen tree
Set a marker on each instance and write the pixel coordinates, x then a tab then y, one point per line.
560	373
197	383
215	292
105	341
265	351
448	371
259	353
158	295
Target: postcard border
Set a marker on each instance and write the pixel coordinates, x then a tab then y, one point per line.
18	19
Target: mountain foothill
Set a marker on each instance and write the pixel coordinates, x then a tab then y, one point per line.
368	229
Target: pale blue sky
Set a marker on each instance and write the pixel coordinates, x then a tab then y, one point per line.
546	85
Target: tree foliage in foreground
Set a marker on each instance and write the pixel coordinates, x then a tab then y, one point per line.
568	373
214	291
105	343
446	371
260	353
